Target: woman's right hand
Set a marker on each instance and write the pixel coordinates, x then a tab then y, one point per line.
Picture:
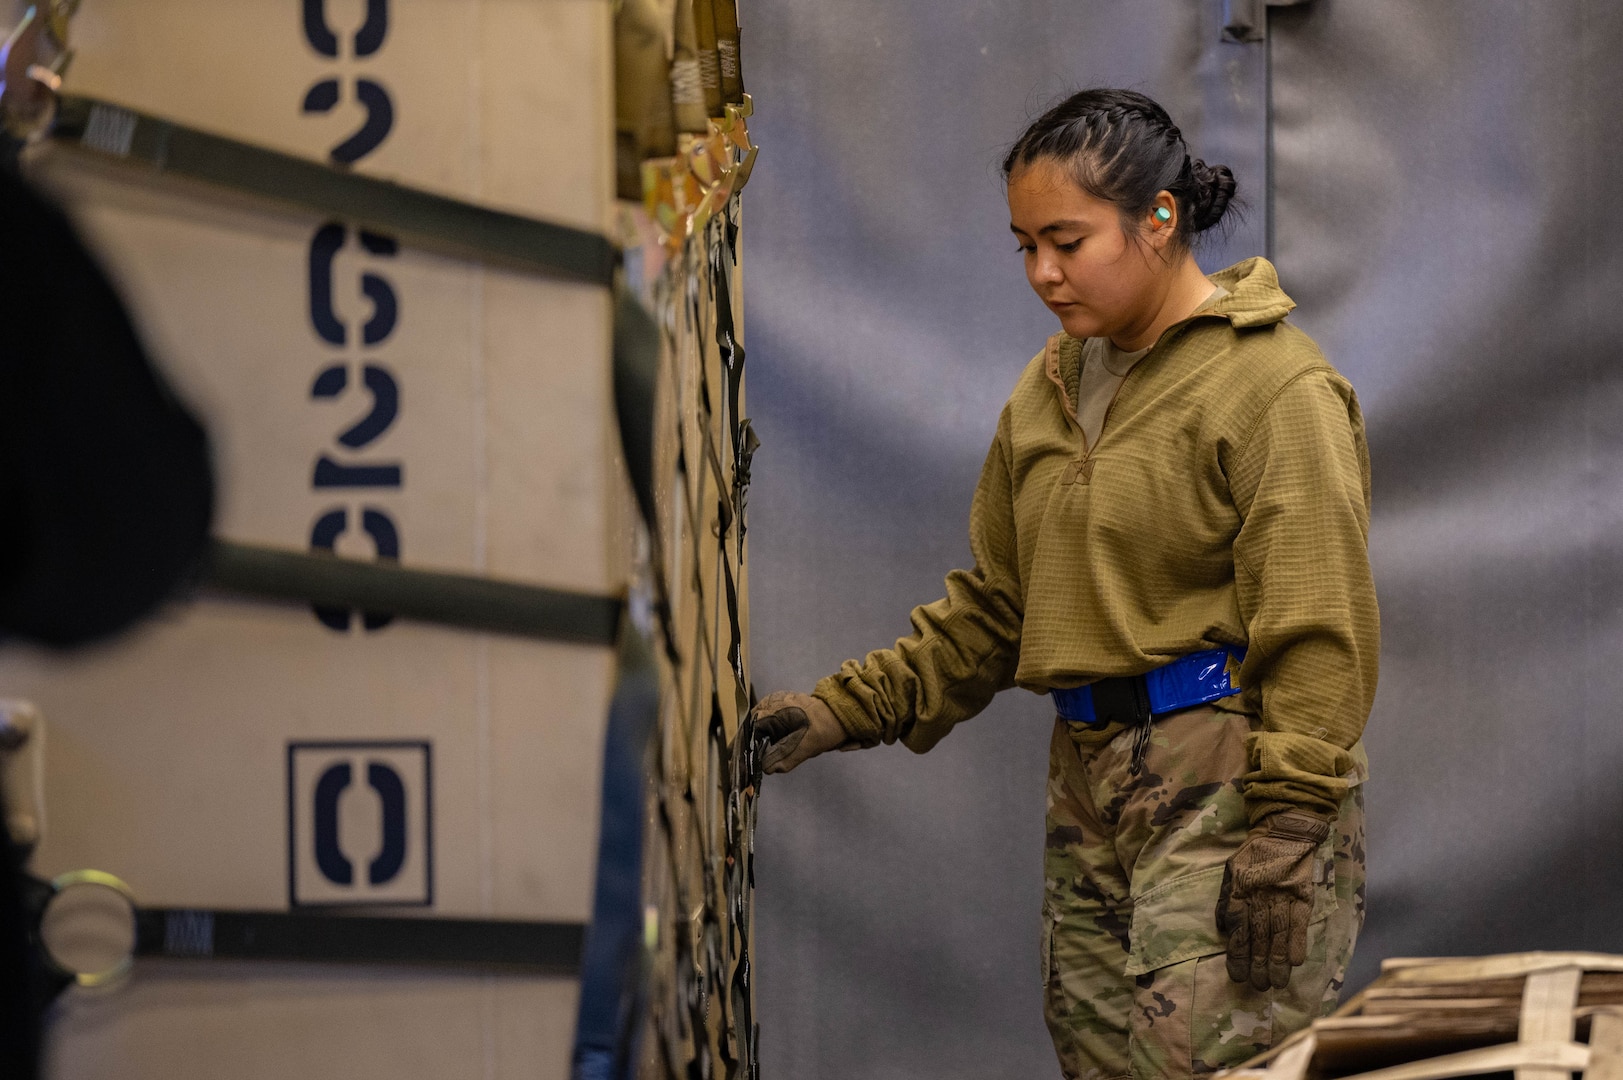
799	726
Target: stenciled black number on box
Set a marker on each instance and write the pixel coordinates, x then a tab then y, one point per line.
343	467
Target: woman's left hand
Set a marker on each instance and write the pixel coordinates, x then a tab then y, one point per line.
1267	899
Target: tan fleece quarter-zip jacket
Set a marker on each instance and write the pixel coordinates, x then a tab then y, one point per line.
1225	503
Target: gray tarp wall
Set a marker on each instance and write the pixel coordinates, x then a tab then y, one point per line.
1446	213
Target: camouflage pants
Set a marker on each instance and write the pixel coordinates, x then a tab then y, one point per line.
1133	968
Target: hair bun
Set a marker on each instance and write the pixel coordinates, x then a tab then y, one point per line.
1214	187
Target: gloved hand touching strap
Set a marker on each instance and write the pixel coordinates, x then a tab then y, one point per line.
799	726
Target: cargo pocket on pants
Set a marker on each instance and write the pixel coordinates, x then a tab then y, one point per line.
1173	930
1189	1017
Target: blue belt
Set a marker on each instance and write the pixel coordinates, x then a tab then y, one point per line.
1187	681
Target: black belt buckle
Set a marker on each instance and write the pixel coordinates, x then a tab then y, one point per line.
1125	699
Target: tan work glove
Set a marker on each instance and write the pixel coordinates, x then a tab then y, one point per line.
799	726
1267	898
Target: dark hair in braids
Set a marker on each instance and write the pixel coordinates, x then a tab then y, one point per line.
1123	148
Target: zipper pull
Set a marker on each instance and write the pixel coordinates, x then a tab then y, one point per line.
1079	471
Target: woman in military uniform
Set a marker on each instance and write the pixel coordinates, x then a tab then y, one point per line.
1170	538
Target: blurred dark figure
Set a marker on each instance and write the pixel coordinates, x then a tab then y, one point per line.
105	496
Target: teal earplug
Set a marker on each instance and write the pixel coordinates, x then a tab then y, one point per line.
1162	214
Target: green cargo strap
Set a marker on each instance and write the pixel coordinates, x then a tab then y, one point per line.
493	945
460	600
431	221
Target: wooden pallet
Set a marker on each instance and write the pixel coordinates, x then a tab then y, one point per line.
1538	1015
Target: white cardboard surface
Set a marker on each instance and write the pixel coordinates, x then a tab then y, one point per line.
170	749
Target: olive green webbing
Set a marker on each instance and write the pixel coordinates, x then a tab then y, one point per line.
438	222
